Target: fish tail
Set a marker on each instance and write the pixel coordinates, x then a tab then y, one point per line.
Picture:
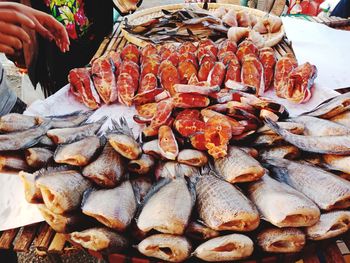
278	169
273	126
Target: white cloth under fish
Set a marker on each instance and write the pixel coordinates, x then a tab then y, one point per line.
14	209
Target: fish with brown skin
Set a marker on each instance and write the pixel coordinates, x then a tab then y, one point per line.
32	193
342	118
115	215
78	153
225	248
38	157
157	214
222	206
13	122
70	120
331	224
23	139
62	191
337	144
108	170
198	231
281	205
284	151
143	165
281	240
122	140
68	135
238	166
325	189
13	161
166	247
100	239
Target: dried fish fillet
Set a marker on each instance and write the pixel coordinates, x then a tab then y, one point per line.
225	248
281	240
13	122
13	161
238	166
114	214
62	191
281	205
331	224
166	247
38	157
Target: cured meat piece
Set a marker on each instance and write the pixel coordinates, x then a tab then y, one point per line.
252	73
189	114
268	60
150	66
126	89
205	69
245	48
230	18
147	51
217	74
169	76
83	88
202	88
186	70
235	34
148	82
166	50
104	79
190	100
174	58
115	56
233	71
188	127
227	57
153	57
283	67
147	110
133	70
187	47
300	81
227	45
147	96
188	56
130	53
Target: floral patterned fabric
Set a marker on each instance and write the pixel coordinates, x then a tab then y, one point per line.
71	14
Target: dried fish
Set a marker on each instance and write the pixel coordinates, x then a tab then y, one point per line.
225	248
337	162
173	169
13	122
293	127
38	157
116	215
283	151
166	247
331	224
141	186
45	141
13	161
238	166
143	165
198	231
267	140
342	118
251	151
70	120
281	205
192	157
151	148
32	193
281	240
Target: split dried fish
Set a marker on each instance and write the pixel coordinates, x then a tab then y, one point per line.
45	141
70	120
12	161
238	166
281	205
198	231
100	205
225	248
293	127
38	157
32	193
173	169
108	170
342	118
13	122
267	140
192	157
337	162
283	151
143	165
141	186
281	240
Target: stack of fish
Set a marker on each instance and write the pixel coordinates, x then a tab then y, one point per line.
114	191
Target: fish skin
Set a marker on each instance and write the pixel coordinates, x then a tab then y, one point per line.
14	122
115	215
198	231
336	162
281	205
192	157
45	141
281	240
166	247
221	206
23	139
70	120
69	135
143	165
173	169
251	151
293	127
32	193
141	186
320	127
13	161
78	153
238	166
225	248
100	239
108	170
342	118
38	157
283	151
332	192
151	148
331	224
338	144
267	140
62	191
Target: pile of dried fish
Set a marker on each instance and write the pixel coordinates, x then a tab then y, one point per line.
113	192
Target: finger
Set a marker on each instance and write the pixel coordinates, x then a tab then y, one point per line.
6	49
15	17
10	41
42	30
56	28
15	31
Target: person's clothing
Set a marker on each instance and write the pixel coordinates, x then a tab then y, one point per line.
8	256
342	9
8	96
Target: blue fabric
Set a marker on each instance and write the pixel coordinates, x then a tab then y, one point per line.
342	9
7	96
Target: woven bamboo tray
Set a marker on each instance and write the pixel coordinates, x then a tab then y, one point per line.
271	39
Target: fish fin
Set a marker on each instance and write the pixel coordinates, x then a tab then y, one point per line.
278	169
86	195
52	169
120	128
103	140
274	126
136	189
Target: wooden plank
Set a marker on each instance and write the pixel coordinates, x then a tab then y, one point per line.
26	237
7	238
101	49
57	243
122	43
332	253
318	20
43	241
310	254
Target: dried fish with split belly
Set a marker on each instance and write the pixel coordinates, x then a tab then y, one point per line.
166	247
108	170
198	231
267	140
143	165
319	127
327	190
100	239
281	205
18	122
67	135
141	186
342	118
283	151
173	169
293	127
23	139
238	166
337	162
38	157
13	161
225	248
78	153
32	193
62	191
192	157
69	120
122	140
157	214
222	206
281	240
338	144
116	215
331	224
